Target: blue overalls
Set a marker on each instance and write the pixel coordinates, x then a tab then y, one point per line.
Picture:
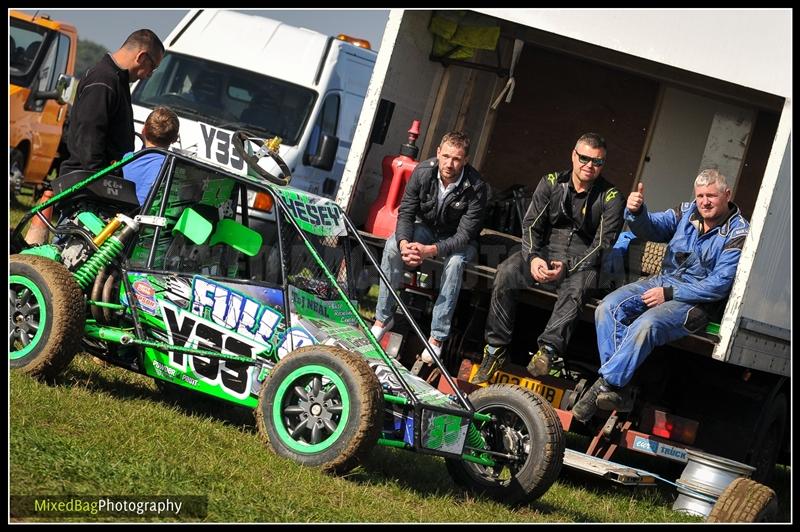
697	270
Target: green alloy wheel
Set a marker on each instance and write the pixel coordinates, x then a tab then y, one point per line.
46	315
321	407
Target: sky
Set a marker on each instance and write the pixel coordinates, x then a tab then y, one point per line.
110	27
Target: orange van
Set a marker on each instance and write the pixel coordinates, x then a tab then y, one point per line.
42	56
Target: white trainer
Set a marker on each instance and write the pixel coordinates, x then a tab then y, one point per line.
378	332
426	356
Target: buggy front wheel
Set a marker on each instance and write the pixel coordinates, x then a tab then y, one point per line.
527	434
46	316
321	407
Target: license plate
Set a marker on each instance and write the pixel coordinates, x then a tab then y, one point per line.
551	394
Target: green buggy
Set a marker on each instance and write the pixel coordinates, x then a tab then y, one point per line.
243	288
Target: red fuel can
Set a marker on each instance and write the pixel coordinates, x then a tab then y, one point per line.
382	217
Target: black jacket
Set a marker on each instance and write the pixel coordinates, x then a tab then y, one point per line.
461	217
101	121
550	232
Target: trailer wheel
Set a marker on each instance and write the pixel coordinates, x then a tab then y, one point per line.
745	501
321	406
46	316
769	440
526	426
16	169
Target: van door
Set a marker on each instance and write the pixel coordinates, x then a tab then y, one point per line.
338	118
693	132
42	120
49	113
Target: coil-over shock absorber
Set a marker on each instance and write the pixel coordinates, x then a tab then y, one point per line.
474	437
109	246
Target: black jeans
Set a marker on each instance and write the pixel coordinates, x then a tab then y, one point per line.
513	275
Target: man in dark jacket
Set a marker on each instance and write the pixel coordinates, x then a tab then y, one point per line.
101	120
441	215
574	216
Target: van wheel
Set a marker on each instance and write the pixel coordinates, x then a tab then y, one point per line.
46	316
321	407
769	440
16	174
745	501
528	427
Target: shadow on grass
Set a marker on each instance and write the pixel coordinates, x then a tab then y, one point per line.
111	382
426	475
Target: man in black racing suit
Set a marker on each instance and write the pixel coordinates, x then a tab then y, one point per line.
574	216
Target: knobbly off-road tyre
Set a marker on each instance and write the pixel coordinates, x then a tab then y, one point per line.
531	426
745	501
321	406
46	316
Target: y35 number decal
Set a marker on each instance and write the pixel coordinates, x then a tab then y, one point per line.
220	141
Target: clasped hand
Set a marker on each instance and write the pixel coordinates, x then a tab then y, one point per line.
413	253
543	273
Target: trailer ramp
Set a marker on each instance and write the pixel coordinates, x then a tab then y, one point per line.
613	471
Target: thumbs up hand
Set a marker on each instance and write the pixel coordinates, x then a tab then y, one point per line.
636	199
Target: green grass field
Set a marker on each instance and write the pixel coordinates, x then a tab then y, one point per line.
107	431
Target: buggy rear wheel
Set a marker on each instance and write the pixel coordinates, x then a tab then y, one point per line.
321	406
46	315
526	427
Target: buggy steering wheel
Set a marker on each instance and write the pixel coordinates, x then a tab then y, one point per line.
240	137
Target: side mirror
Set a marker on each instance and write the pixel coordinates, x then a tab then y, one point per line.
326	155
67	87
64	93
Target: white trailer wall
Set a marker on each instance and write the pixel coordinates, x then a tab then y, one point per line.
749	47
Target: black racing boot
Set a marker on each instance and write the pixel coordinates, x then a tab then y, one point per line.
493	359
542	361
619	399
585	408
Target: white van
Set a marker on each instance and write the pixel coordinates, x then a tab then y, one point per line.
224	71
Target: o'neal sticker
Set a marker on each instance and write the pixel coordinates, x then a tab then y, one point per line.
145	299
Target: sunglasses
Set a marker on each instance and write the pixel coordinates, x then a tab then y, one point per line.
585	159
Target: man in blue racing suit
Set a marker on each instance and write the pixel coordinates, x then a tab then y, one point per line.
705	242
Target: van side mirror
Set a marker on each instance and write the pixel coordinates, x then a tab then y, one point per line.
67	87
326	155
64	93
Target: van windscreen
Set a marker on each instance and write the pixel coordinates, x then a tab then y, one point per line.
227	97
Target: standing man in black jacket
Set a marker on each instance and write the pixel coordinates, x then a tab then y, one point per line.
101	120
441	215
574	216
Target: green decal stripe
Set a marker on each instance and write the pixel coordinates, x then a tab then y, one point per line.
40	301
289	383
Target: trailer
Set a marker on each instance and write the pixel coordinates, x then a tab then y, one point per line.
672	91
